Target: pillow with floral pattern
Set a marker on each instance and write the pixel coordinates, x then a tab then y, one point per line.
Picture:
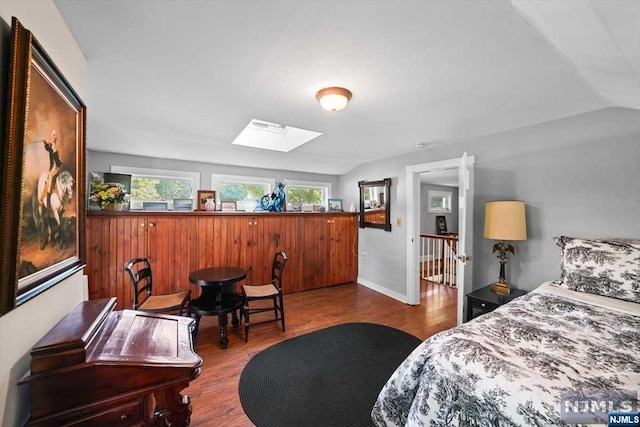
603	267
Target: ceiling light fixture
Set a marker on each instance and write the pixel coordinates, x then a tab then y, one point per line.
334	98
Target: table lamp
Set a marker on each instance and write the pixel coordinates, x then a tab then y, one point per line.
504	220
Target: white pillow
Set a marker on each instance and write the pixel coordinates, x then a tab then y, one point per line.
603	267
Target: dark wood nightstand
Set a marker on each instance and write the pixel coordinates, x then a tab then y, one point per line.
486	300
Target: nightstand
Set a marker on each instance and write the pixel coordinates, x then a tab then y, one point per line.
486	300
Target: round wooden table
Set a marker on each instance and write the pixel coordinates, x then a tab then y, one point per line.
218	297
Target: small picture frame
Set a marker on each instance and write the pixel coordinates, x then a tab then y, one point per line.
335	205
228	206
203	196
441	224
185	205
155	206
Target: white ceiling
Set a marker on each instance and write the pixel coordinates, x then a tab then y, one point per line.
181	79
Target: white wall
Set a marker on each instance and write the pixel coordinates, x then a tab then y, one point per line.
579	176
21	328
428	220
101	162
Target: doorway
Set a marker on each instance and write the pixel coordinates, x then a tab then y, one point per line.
438	244
464	168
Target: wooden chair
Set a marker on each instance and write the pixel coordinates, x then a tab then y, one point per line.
139	270
272	291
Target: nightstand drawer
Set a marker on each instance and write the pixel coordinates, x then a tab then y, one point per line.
483	305
486	300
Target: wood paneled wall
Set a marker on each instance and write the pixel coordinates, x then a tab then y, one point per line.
322	248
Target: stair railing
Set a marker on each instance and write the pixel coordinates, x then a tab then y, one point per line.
438	258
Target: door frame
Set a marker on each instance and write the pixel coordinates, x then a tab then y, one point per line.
413	225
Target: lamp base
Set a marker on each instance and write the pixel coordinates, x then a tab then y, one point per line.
501	288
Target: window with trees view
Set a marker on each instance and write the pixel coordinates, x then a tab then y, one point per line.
316	196
239	191
237	188
315	193
439	202
159	188
159	184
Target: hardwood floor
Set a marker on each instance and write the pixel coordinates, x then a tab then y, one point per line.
214	394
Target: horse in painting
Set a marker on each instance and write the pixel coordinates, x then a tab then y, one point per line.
48	218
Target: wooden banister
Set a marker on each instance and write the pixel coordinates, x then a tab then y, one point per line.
440	262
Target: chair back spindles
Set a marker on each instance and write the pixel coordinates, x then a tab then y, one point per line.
277	269
139	270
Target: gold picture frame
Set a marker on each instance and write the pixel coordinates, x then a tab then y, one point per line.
42	214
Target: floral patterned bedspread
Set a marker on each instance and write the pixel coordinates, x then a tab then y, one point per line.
509	367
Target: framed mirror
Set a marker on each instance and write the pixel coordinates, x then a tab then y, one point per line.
375	204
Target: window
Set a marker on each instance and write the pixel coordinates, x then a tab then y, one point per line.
315	193
439	202
236	188
150	185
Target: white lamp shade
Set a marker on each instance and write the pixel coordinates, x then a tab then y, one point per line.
505	220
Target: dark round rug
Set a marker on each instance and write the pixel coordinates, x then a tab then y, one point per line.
331	377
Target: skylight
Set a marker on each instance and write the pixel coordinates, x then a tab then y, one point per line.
272	136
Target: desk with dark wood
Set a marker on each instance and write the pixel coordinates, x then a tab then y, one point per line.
218	297
98	366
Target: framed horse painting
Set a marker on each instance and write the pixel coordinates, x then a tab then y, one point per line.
43	175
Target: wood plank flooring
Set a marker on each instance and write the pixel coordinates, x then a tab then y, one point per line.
214	394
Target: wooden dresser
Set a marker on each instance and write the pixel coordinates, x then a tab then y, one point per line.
98	366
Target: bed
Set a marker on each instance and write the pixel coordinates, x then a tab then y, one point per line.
517	365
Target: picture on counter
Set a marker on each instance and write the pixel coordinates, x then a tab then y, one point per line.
203	197
335	205
184	205
228	206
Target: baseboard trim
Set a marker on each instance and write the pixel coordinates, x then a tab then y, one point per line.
378	288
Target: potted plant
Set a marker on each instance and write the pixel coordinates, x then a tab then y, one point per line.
110	196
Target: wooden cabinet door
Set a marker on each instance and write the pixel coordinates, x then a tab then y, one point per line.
265	239
223	241
172	249
288	235
315	262
111	243
271	234
344	249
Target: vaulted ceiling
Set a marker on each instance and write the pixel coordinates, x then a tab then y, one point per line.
181	79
